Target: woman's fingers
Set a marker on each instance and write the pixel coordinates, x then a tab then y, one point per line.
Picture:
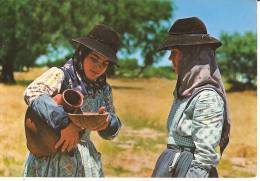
69	138
102	110
59	143
76	141
65	145
70	146
72	143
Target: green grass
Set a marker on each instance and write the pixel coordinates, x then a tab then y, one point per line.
138	123
110	148
13	166
116	171
149	144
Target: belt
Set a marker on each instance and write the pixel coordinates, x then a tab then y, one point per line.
181	148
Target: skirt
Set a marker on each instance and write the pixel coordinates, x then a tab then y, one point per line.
84	162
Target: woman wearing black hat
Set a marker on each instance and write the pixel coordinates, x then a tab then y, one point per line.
86	72
198	123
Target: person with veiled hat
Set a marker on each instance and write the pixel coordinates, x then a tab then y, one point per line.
85	72
198	122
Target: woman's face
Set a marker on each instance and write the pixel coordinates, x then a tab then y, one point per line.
175	58
94	65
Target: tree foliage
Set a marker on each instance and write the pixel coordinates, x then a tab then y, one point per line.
237	58
28	27
142	24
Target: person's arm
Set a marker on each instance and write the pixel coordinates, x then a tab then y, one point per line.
207	126
38	95
114	123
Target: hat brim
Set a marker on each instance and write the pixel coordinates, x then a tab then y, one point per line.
98	47
187	40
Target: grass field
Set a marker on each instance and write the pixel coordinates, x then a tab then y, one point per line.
143	106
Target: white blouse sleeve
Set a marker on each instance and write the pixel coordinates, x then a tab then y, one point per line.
48	83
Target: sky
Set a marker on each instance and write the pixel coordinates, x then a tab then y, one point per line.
218	15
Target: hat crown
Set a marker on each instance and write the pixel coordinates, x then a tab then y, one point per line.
192	25
188	32
106	36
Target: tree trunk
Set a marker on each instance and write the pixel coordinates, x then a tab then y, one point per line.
8	71
148	61
27	68
7	75
142	69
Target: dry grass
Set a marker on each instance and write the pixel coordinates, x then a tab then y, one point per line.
143	106
12	138
243	114
146	100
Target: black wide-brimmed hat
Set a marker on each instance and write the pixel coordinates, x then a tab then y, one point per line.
188	31
103	40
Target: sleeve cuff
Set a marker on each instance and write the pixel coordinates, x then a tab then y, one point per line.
113	128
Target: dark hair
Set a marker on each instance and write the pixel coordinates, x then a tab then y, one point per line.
81	52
